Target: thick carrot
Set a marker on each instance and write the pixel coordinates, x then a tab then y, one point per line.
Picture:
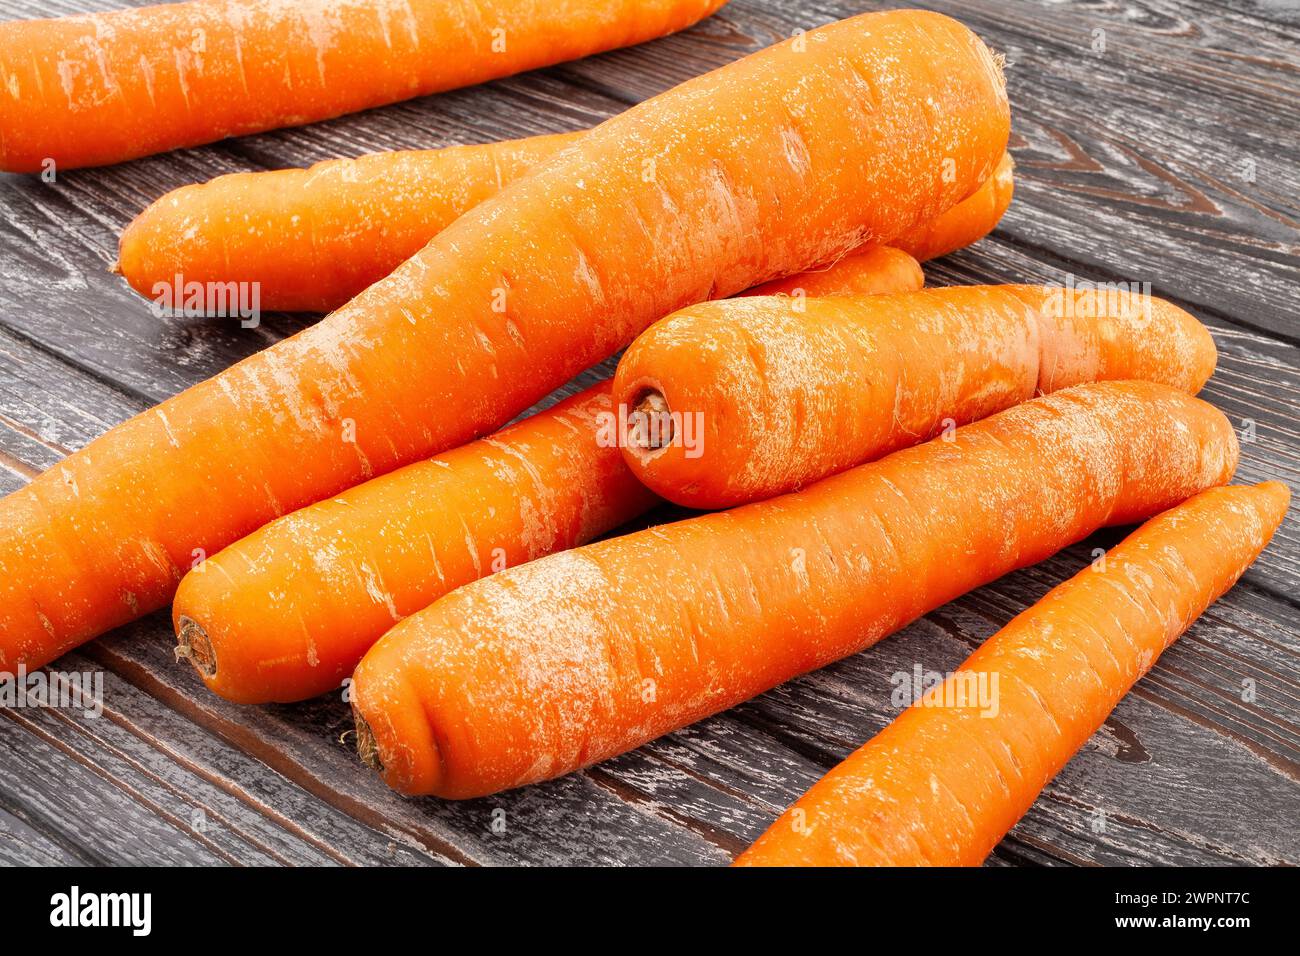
875	270
971	219
106	87
786	165
943	783
287	612
576	657
729	402
311	239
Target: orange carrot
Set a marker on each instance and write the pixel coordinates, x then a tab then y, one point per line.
571	659
971	219
734	401
875	270
785	166
106	87
311	239
942	784
287	612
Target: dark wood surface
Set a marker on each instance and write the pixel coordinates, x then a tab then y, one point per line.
1168	156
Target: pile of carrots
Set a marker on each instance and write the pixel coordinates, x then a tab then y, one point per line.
353	502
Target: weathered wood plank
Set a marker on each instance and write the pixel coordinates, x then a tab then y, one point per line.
89	805
573	820
23	845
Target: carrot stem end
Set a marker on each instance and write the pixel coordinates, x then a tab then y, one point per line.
650	426
193	645
367	746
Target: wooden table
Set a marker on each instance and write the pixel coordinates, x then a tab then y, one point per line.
1155	141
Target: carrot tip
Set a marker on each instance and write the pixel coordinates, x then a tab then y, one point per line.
650	425
193	645
367	746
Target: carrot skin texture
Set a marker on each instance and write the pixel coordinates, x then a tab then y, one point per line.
965	223
313	238
289	610
576	657
789	392
102	88
941	785
508	303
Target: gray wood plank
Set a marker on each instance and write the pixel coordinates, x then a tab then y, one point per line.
574	820
23	845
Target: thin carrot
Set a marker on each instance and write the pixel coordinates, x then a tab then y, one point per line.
287	612
971	219
875	270
313	238
734	401
785	166
571	659
105	87
943	783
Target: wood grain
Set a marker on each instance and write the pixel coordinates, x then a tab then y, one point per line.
1166	156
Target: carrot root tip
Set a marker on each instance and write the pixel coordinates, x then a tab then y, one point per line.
367	746
193	645
650	425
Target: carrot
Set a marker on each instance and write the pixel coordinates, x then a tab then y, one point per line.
571	659
875	270
785	166
311	239
102	88
782	393
971	219
944	782
287	612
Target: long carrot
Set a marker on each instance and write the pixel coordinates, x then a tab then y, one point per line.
105	87
576	657
787	164
287	612
943	783
313	238
729	402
